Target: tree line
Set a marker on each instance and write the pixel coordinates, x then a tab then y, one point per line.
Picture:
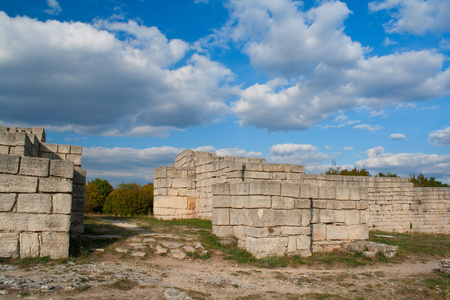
127	199
419	181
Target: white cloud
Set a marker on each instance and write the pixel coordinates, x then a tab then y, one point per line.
397	136
229	151
405	164
301	154
348	148
54	9
415	16
440	137
83	78
389	42
368	127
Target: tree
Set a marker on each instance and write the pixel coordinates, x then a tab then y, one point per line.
97	191
422	181
130	199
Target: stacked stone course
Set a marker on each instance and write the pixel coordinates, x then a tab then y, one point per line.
276	209
42	188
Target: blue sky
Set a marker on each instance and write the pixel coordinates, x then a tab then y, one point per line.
366	83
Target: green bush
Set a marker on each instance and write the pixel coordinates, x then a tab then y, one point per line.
97	191
129	199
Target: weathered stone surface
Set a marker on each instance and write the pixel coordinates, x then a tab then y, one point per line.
303	242
358	232
263	247
9	164
9	245
48	147
65	149
221	216
55	245
7	202
78	204
34	166
62	203
17	184
221	201
221	189
282	203
337	232
34	203
79	190
265	188
55	185
290	190
34	222
29	245
61	168
79	176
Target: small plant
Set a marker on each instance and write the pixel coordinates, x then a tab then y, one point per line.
124	284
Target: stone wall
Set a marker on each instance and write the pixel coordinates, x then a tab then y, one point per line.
278	218
42	188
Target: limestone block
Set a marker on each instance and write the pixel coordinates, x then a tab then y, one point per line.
235	216
65	149
244	217
79	176
7	202
295	230
319	232
34	203
55	185
293	176
9	164
255	201
257	232
9	245
352	217
47	147
306	217
265	188
29	245
4	149
223	231
221	201
46	155
335	232
221	216
358	232
75	158
79	190
236	202
303	242
76	229
238	231
363	217
319	203
19	151
269	167
76	217
292	244
362	204
327	193
256	175
326	216
241	188
76	150
302	203
34	166
55	245
290	190
342	194
263	247
17	184
62	203
170	202
160	172
294	168
34	222
182	183
78	204
305	191
348	204
279	176
221	189
339	216
355	194
282	203
163	183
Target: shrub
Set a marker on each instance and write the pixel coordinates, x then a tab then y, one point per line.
130	199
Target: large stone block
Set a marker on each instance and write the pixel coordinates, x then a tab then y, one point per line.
78	204
74	158
64	149
55	245
335	232
319	232
256	201
182	183
160	172
327	193
221	201
263	247
55	185
223	231
290	190
221	189
241	188
295	230
62	203
76	150
7	202
4	149
282	203
352	217
265	188
17	184
9	164
79	190
257	232
221	216
77	217
303	242
302	203
34	166
326	216
34	222
9	245
48	147
34	203
29	245
79	176
358	232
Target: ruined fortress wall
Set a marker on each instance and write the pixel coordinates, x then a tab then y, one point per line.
278	218
42	188
184	190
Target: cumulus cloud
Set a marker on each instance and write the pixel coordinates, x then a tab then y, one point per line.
54	9
414	16
126	164
440	137
108	78
368	127
397	136
325	71
405	164
301	154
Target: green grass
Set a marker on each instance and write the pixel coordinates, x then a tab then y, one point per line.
124	284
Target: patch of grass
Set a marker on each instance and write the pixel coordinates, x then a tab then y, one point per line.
321	296
124	284
32	261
